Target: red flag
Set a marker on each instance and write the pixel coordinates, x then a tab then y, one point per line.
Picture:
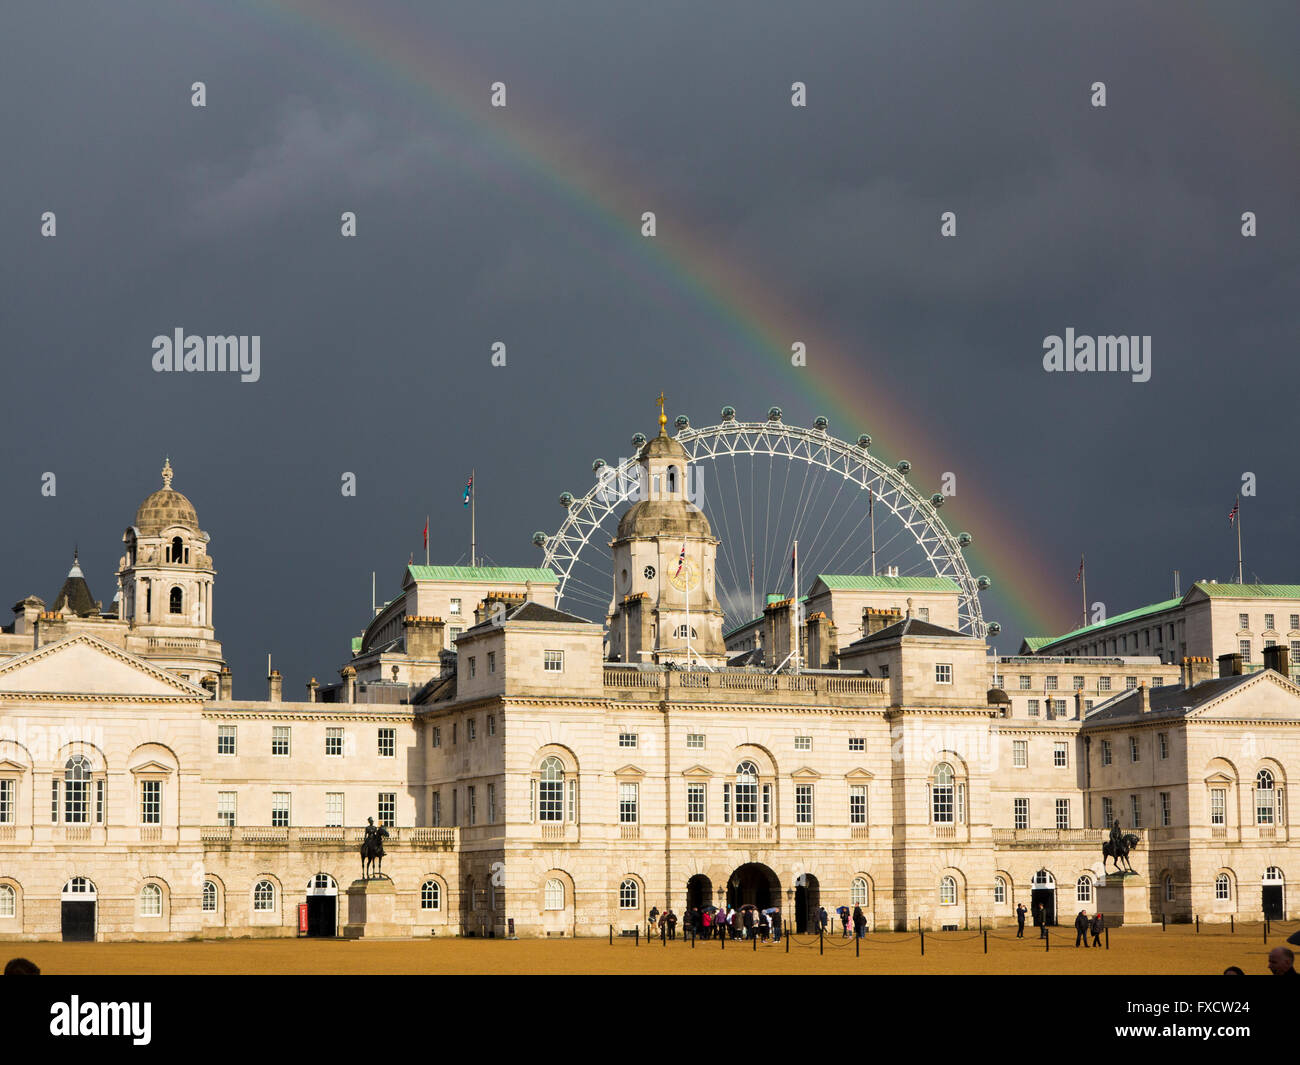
426	534
681	560
1232	514
1079	576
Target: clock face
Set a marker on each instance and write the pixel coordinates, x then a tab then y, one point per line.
649	573
684	578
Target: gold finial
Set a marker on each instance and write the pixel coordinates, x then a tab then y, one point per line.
167	472
663	418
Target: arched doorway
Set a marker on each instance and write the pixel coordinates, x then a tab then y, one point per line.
322	905
1042	892
1274	902
699	891
807	899
79	900
753	884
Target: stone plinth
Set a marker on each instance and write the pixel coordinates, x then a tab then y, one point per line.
1124	898
371	911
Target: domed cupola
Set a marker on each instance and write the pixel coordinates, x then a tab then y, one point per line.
165	509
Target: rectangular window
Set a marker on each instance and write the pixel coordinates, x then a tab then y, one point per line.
726	804
573	799
387	742
1295	622
1020	753
334	742
1133	755
1130	683
1058	707
627	739
1268	621
627	802
280	741
226	808
473	665
1059	756
99	802
334	809
455	807
1163	737
1245	650
492	804
8	802
1087	706
1218	806
1021	813
225	739
858	804
767	804
437	735
387	807
695	800
1033	707
1107	812
553	662
453	633
857	743
1105	752
803	743
1078	684
1026	683
435	815
1135	808
695	741
280	809
1062	813
803	804
454	609
54	801
492	661
943	673
1103	684
1164	809
471	801
1050	684
1243	622
492	724
471	731
151	802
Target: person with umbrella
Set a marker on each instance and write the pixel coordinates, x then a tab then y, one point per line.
843	911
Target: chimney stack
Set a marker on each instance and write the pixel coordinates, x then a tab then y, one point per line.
874	620
1194	670
275	686
1078	704
1145	697
225	684
1230	665
1278	659
349	675
311	690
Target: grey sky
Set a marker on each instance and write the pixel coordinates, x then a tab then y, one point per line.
375	350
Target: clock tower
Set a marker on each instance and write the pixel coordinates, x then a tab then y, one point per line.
664	607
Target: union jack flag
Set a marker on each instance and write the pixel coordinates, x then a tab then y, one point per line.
681	560
1232	514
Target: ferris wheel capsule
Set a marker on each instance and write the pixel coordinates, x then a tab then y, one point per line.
983	583
903	467
864	441
598	465
539	538
682	422
994	628
964	539
773	414
936	500
820	423
638	440
728	414
566	499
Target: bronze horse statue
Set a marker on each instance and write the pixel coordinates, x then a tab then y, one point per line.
1119	851
372	849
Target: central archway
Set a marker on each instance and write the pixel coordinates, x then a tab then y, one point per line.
699	892
753	884
807	901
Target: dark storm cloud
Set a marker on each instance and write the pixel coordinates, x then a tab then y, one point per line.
375	350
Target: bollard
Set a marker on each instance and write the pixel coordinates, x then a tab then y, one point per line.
611	935
787	942
922	931
692	939
821	942
722	939
1162	922
1108	937
981	922
986	942
663	934
1232	925
857	946
1047	941
754	939
638	935
1198	924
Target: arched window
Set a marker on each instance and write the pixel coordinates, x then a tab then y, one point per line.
948	891
76	790
79	885
1273	875
1223	887
672	480
1083	889
999	890
177	550
1265	797
943	795
174	601
629	895
554	894
858	891
431	895
8	901
1043	879
551	791
151	901
209	897
264	897
746	793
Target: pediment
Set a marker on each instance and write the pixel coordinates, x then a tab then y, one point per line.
8	765
1265	697
806	773
1219	778
84	665
151	767
629	771
697	771
859	775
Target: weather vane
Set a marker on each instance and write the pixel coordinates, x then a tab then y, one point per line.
663	418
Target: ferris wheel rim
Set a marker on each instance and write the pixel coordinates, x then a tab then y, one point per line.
586	514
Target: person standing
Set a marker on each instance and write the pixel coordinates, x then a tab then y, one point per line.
859	922
1020	921
844	920
706	924
1081	929
1098	924
776	927
823	919
672	924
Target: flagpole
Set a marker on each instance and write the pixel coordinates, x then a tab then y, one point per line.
473	530
1083	577
1240	575
426	539
871	512
796	608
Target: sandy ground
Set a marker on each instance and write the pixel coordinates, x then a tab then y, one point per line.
1133	951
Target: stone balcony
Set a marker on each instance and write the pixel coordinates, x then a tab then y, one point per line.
326	838
694	685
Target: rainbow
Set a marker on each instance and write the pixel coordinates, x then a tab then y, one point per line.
849	386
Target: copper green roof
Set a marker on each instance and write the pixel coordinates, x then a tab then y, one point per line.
859	583
483	574
1035	642
1131	615
356	643
1249	591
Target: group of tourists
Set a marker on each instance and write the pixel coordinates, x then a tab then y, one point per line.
715	922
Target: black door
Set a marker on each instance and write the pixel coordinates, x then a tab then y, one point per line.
78	922
1047	900
1272	902
321	920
